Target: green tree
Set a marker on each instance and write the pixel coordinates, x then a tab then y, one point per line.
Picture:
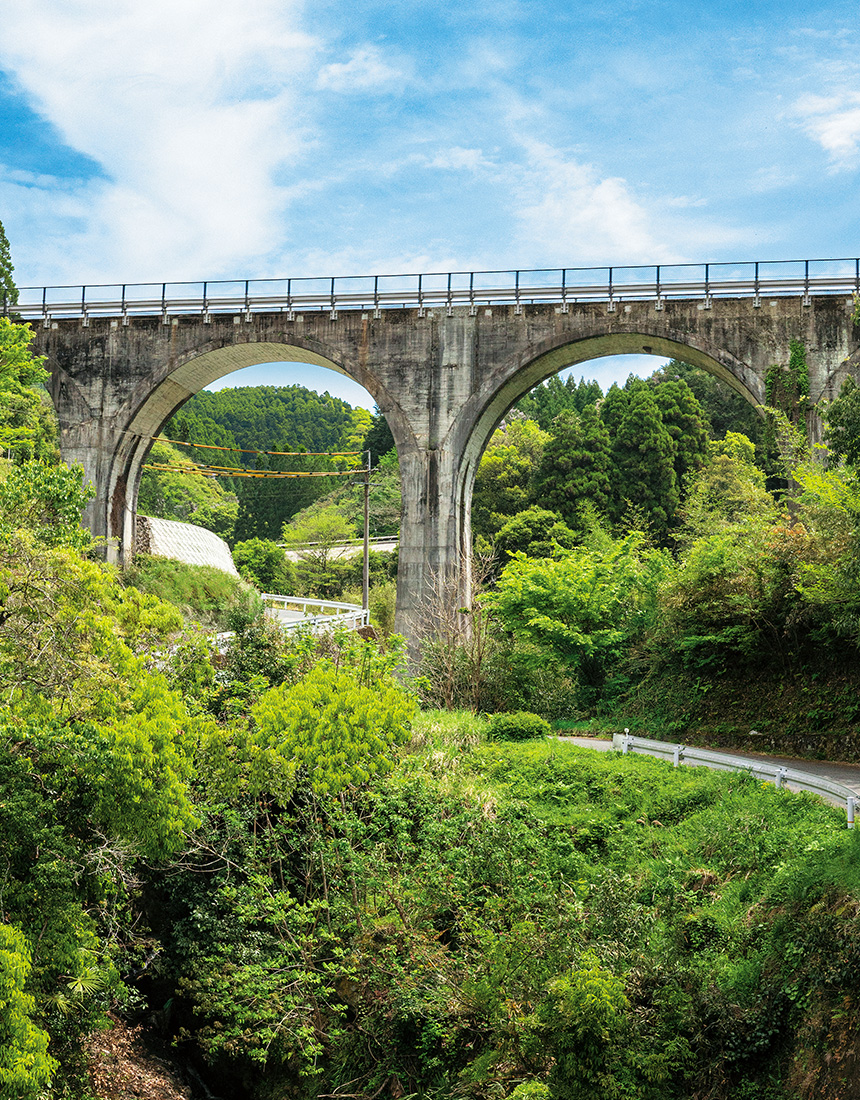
581	607
378	438
613	408
724	408
730	489
314	538
535	532
264	564
643	475
581	1019
8	290
548	400
574	467
829	577
338	731
842	420
47	502
587	393
27	425
503	480
685	421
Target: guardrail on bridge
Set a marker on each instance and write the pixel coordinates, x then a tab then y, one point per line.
564	286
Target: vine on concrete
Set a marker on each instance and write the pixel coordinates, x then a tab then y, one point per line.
787	388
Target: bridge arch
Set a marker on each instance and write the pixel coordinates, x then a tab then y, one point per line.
476	425
149	407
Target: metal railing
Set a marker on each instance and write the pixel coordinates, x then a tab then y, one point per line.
294	612
441	290
781	777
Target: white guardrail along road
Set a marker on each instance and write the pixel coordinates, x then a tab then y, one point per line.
788	778
293	612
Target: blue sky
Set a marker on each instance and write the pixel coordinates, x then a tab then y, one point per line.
196	139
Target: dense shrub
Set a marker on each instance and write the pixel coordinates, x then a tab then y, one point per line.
519	726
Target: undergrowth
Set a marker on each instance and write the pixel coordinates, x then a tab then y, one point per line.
493	916
203	593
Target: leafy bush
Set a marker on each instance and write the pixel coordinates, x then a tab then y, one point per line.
531	1090
329	724
262	562
47	501
519	726
25	1065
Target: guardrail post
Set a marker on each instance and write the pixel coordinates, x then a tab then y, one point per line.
517	307
677	754
247	304
625	742
807	301
611	306
756	299
376	312
779	778
473	309
659	304
565	308
707	286
850	804
449	309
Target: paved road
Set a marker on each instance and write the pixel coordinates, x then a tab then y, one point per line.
849	774
379	544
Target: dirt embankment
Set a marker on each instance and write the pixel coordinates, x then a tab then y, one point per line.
124	1064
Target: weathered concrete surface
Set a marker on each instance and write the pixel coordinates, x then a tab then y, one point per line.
442	381
168	538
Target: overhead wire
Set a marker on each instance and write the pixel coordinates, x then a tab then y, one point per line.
212	470
246	450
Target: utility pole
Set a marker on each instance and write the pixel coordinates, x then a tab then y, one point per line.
365	586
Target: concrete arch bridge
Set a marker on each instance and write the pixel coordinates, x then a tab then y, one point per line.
444	357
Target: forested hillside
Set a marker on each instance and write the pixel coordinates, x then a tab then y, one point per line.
253	419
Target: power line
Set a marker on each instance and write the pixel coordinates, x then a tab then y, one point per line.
234	471
247	450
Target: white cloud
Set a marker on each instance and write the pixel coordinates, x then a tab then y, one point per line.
458	159
365	71
569	214
189	106
834	122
